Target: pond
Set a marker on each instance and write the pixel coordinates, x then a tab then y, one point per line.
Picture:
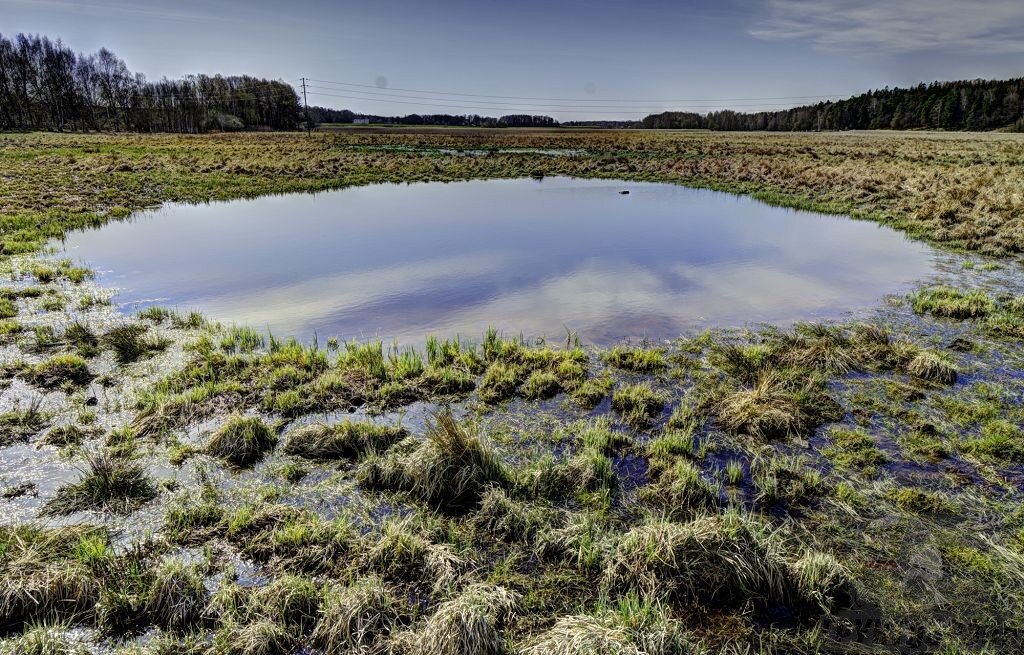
535	257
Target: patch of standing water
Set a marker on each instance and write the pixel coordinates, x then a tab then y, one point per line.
542	256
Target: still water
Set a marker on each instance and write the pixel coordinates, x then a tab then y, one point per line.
527	256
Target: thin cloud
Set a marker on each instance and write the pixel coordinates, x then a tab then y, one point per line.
114	9
981	27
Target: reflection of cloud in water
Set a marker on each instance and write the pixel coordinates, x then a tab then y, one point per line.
604	302
522	255
291	307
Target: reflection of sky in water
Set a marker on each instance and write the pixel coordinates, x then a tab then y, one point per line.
401	261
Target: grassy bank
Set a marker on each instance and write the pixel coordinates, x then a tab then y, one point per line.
959	190
182	487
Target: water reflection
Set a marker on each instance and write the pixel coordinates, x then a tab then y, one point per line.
400	261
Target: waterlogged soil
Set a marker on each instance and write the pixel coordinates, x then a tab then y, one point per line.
398	262
913	526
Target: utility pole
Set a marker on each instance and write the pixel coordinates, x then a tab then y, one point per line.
305	105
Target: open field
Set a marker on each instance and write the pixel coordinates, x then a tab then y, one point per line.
175	486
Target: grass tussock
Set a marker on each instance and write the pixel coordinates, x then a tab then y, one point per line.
44	639
177	597
449	470
999	442
719	560
591	392
723	560
60	371
933	367
855	449
777	406
946	302
133	342
681	491
20	423
109	483
47	574
636	360
405	554
242	441
638	404
471	622
358	616
342	440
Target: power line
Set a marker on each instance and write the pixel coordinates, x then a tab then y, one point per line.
610	100
544	106
618	112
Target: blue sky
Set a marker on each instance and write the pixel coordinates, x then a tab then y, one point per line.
700	55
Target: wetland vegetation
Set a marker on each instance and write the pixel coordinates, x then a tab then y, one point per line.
171	485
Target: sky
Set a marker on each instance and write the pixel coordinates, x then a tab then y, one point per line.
573	60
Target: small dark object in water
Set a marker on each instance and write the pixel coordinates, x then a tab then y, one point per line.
961	345
624	192
19	490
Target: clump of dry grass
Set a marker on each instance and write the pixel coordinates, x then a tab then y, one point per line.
262	636
584	635
341	440
932	366
777	407
359	616
404	554
822	581
35	589
44	639
177	597
820	347
719	560
471	622
509	519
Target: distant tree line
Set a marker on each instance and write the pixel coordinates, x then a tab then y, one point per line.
44	85
966	105
326	115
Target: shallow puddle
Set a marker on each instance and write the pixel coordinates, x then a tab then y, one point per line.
537	256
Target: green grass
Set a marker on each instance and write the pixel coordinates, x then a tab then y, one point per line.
855	450
341	440
7	308
919	501
947	302
426	528
131	343
1000	442
635	359
242	441
59	371
638	403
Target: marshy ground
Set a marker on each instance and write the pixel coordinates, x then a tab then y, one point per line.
175	486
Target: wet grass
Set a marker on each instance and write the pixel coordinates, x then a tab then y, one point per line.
242	441
806	480
108	482
343	440
59	371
